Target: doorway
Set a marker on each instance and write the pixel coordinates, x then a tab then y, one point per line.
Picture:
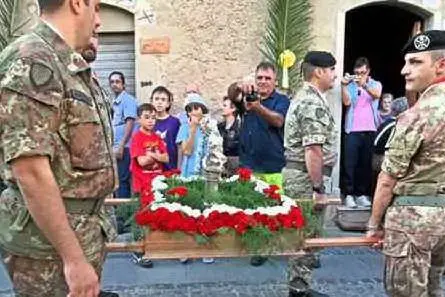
379	32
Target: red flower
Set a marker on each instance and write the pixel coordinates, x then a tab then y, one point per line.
244	174
178	191
171	173
271	192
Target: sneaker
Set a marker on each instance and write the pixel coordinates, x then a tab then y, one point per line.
350	202
208	260
363	201
138	259
184	260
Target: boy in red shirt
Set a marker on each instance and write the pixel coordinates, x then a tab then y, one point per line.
148	155
148	151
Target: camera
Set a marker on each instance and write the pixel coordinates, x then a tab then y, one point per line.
234	92
252	97
351	77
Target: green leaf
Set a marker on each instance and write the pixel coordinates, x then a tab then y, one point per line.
201	239
288	27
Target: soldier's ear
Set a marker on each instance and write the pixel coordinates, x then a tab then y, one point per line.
440	67
318	72
76	6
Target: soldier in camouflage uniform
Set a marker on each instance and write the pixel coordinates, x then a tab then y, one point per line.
410	191
310	141
56	156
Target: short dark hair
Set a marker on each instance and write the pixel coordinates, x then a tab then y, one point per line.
121	75
266	65
50	5
307	70
191	106
53	5
361	61
162	89
145	107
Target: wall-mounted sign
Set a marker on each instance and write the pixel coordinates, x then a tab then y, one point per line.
155	45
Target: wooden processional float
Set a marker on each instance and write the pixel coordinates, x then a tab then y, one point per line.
164	245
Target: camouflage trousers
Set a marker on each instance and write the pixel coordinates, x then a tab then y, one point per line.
297	184
414	264
42	278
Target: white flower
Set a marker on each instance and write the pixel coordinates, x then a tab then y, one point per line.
158	185
158	196
233	178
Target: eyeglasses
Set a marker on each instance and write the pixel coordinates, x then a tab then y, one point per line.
112	81
361	72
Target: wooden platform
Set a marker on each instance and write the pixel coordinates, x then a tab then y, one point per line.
163	245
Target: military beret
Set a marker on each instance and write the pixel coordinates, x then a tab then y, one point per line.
320	59
425	41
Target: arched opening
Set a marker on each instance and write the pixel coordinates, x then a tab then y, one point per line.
378	31
116	46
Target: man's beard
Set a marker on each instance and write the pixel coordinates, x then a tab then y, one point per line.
89	55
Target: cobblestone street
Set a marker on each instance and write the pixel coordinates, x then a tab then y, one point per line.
344	272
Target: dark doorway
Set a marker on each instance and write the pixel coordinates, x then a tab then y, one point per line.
379	32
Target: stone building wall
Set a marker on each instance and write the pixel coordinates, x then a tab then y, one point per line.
212	43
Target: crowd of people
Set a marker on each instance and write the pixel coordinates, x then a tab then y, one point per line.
62	141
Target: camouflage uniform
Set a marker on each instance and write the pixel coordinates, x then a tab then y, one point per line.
50	106
309	121
414	243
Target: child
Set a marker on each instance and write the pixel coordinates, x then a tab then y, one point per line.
191	137
229	130
167	126
148	154
192	141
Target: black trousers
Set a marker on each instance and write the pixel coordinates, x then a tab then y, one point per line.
358	163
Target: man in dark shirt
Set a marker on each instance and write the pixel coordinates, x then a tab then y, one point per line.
262	127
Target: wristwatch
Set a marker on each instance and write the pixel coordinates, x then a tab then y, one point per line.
318	189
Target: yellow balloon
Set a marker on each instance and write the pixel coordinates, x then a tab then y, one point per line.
287	59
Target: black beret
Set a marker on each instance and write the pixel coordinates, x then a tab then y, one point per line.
426	41
320	59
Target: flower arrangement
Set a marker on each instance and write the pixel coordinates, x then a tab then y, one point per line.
243	205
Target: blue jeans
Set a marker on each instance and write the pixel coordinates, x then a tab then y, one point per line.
358	163
123	170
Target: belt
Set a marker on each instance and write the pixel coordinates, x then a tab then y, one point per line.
327	170
88	206
433	201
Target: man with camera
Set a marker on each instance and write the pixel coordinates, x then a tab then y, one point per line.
360	95
263	111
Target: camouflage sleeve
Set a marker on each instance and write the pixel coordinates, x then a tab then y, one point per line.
29	110
314	120
402	145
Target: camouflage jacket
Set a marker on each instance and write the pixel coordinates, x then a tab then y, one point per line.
51	106
416	158
309	121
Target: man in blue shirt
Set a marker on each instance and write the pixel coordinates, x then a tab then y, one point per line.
262	128
124	115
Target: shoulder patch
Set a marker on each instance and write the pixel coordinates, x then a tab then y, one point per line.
40	74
